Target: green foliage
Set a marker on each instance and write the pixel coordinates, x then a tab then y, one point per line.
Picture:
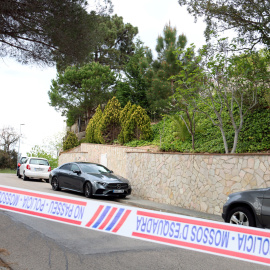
8	171
37	151
249	19
179	128
160	87
110	122
134	86
136	125
255	136
43	31
71	141
8	159
115	42
93	129
80	90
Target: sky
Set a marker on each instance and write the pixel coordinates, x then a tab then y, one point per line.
24	101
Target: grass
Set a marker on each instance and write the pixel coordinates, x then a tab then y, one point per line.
8	171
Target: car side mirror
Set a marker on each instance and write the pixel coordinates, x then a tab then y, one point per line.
111	171
77	171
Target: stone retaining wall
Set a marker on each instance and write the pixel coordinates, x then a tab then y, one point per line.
199	182
113	157
194	181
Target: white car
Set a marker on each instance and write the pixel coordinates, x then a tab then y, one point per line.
36	168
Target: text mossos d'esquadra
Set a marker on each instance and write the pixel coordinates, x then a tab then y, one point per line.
202	235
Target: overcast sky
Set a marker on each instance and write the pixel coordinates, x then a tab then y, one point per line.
24	98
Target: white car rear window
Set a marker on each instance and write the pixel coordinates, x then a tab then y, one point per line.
38	161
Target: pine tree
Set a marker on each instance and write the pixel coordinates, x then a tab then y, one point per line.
163	68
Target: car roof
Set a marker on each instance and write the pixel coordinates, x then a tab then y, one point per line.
38	158
80	162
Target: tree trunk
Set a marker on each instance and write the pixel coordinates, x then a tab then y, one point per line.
193	140
224	140
235	141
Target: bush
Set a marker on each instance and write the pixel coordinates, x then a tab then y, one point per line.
254	136
93	127
8	159
71	141
136	125
110	122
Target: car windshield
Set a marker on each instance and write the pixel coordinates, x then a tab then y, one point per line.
94	168
37	161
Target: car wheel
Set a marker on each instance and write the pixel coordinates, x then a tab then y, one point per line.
241	216
47	180
88	190
25	177
55	184
19	176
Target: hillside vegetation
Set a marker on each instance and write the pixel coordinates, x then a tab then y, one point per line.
254	137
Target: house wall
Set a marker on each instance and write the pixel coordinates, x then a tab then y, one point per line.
200	182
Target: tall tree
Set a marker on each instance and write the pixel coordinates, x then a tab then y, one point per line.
163	68
78	91
188	85
229	88
133	87
249	18
115	42
8	137
45	31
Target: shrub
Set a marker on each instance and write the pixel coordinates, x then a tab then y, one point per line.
136	125
93	129
71	141
110	122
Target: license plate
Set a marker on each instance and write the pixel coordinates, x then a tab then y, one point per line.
118	191
38	169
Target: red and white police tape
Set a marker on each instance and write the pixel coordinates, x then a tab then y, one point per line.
249	244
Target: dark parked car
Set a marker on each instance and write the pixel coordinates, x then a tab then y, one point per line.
248	208
21	161
89	178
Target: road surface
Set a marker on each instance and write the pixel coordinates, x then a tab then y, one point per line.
38	244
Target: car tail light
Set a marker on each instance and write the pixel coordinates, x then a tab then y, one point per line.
49	169
19	165
28	167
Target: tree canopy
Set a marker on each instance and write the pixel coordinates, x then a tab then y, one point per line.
115	42
79	90
45	31
249	18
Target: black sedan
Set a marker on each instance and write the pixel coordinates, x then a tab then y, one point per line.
248	208
89	178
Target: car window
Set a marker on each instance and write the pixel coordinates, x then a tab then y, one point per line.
23	159
66	167
94	168
74	167
37	161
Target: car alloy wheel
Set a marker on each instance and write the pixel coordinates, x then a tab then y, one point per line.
241	216
55	184
24	177
88	190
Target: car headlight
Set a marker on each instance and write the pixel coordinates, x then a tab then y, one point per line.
228	198
101	183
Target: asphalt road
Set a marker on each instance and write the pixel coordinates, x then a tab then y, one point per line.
37	244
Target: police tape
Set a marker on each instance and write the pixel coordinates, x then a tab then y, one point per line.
249	244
